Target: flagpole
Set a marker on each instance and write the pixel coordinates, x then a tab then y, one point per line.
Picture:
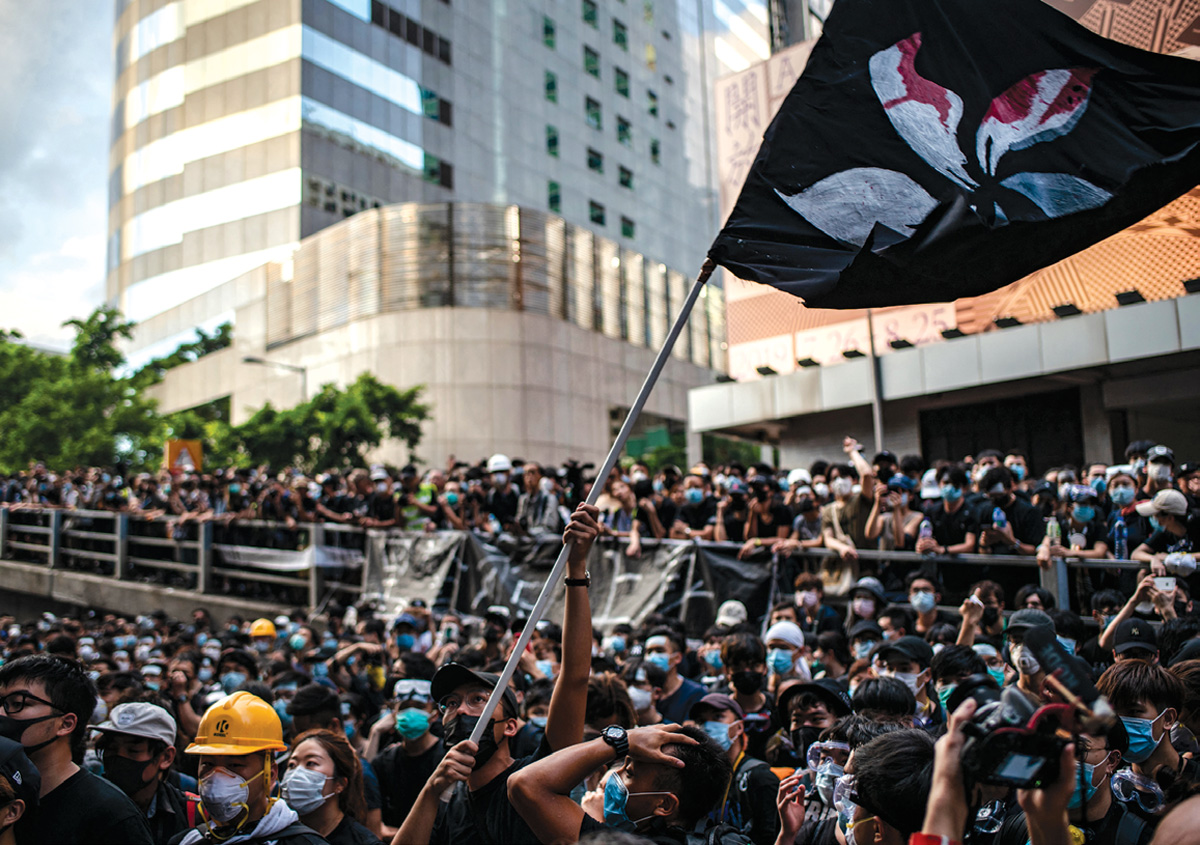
560	564
876	387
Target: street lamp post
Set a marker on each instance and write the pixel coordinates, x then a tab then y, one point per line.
303	371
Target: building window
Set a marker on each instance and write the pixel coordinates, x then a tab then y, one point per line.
552	141
444	50
593	113
430	104
651	57
620	35
438	172
595	160
551	87
622	80
652	103
625	177
655	151
590	15
624	131
591	61
554	197
596	212
628	228
548	32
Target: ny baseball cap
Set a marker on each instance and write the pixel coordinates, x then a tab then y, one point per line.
1135	633
21	774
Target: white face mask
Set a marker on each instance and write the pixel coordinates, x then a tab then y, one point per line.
641	698
1026	663
841	487
909	679
304	789
821	490
546	485
224	794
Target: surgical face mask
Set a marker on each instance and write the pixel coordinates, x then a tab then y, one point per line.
1018	472
923	601
616	802
1141	738
821	490
863	607
230	681
944	695
1122	495
280	706
618	644
638	476
862	649
452	498
1160	472
641	698
694	495
950	493
380	487
412	723
657	485
405	642
1155	525
500	479
997	675
1024	660
546	485
224	794
662	661
1067	643
841	487
1083	513
713	659
780	661
909	679
546	667
719	731
1084	791
261	646
808	598
1097	484
297	642
827	777
304	789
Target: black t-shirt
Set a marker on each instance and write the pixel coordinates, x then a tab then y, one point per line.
1103	831
735	525
503	506
381	506
676	706
85	809
699	515
401	778
1090	533
949	529
751	806
485	816
1165	542
780	516
1025	519
350	831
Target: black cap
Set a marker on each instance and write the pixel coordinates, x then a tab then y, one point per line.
1188	467
1028	617
1135	633
914	648
866	626
454	675
885	457
827	689
21	774
1045	488
1190	651
1160	453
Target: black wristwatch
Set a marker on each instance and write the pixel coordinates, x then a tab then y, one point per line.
616	737
585	581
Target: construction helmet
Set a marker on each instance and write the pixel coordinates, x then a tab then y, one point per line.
499	463
241	724
262	628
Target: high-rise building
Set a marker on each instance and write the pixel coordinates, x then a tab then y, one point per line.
241	127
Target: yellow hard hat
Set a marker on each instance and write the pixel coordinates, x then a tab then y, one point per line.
241	724
262	628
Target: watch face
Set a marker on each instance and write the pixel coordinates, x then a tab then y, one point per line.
614	731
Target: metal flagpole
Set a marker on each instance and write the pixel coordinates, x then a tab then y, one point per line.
876	387
556	573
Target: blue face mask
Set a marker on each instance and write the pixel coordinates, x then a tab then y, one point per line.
412	723
1083	791
713	659
230	681
405	642
320	670
944	695
350	730
1141	738
719	731
862	649
950	493
923	601
546	668
539	721
694	495
1018	472
1122	495
280	706
662	661
616	800
780	661
1098	485
201	638
452	498
1155	525
205	674
297	642
618	644
1067	643
997	675
1084	513
657	486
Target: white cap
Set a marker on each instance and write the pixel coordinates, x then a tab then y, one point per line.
140	718
929	485
378	473
499	463
799	476
1164	501
731	613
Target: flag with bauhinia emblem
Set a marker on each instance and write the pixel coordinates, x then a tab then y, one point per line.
935	149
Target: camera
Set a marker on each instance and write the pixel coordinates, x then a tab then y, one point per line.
1008	744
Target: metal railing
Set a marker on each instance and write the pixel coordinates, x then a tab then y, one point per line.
277	563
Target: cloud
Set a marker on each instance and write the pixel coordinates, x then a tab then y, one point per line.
55	58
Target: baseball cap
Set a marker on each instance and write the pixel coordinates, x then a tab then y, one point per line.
866	628
1160	453
1028	617
1188	467
1164	501
901	482
914	648
885	457
827	689
1083	493
1135	633
731	613
454	675
718	701
140	718
21	774
871	585
407	619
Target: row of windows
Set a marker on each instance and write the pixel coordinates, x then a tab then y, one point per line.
335	198
594	114
383	15
550	33
595	158
596	212
591	64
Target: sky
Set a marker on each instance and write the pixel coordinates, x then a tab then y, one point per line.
56	63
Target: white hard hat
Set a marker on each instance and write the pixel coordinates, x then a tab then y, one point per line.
499	463
799	476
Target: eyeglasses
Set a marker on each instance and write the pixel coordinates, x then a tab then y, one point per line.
473	701
15	702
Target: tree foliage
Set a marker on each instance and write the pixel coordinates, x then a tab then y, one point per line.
204	344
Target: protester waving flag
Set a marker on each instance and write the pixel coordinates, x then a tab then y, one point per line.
935	149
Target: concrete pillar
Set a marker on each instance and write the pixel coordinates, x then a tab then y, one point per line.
1097	432
695	449
121	546
56	519
204	557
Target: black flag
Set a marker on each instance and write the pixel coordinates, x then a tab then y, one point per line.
936	149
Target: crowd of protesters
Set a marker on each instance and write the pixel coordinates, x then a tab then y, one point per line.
830	719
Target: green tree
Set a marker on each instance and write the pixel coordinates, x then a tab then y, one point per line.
204	344
74	410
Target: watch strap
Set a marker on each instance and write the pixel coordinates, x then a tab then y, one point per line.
585	581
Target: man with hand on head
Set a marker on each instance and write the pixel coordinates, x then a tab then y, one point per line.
479	809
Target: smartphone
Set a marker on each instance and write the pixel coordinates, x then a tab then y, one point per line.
1165	584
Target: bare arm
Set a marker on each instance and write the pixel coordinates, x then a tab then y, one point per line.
1144	592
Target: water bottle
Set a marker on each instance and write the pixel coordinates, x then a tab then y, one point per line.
999	520
926	529
1120	538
